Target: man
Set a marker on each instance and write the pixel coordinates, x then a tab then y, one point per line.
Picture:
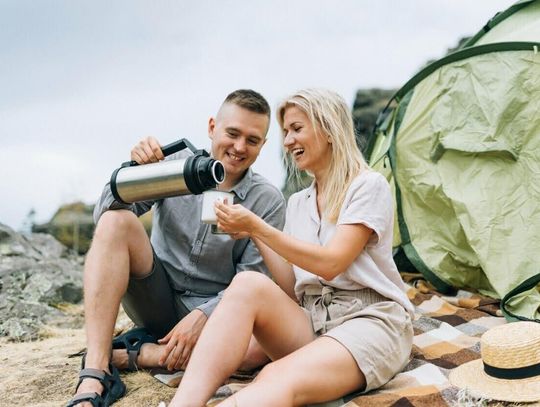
171	283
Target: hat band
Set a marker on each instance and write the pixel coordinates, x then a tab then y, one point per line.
512	374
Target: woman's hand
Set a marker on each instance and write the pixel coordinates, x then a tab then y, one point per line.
236	220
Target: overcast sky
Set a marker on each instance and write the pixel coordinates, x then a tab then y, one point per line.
82	81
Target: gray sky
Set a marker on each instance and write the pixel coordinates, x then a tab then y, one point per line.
82	82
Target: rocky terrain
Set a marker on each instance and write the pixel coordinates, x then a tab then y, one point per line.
41	325
39	280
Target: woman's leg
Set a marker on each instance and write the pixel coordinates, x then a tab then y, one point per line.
252	304
320	371
254	357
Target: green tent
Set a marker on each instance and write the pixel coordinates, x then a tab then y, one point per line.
460	145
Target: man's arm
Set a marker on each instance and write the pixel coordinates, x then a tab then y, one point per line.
182	338
180	341
251	259
146	151
107	202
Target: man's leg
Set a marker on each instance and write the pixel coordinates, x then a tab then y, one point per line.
120	249
152	303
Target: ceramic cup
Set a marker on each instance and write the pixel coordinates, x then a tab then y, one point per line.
208	215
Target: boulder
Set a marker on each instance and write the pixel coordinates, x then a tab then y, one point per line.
38	275
72	225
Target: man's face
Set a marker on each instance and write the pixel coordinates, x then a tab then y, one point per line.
237	136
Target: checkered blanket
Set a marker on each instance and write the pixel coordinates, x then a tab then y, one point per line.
447	332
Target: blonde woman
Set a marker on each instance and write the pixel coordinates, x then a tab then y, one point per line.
335	318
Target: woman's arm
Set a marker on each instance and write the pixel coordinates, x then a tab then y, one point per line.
326	261
279	268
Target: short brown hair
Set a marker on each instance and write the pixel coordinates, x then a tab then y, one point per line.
249	100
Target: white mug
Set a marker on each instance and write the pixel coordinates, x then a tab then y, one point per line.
208	214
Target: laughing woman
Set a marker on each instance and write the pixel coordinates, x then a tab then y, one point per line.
335	318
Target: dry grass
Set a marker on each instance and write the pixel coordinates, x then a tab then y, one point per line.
41	374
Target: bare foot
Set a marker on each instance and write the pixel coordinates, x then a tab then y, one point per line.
89	386
148	358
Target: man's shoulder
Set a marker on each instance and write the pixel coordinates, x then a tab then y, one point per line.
261	186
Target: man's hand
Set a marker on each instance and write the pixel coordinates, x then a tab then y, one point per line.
181	340
147	151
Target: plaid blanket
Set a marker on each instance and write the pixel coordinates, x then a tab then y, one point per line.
447	332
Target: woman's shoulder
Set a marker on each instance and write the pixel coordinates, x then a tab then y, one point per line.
368	179
301	195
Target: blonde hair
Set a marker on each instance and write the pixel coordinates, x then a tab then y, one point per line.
331	118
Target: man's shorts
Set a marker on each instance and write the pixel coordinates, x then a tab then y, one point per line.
152	302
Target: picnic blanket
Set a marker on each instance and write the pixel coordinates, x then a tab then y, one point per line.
447	332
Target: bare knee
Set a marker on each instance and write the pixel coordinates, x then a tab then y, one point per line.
115	224
120	232
249	284
248	288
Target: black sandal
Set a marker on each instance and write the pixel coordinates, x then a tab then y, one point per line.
132	341
113	387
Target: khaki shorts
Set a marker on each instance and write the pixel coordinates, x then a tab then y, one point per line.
375	330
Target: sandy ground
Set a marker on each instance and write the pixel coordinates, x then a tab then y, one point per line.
41	374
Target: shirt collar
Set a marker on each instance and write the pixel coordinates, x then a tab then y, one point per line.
311	198
311	190
242	187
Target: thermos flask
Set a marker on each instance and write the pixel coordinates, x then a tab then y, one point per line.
192	175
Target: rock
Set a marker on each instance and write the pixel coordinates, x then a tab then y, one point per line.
72	225
37	275
366	108
14	244
20	329
47	245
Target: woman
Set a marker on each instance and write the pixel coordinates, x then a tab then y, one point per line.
335	318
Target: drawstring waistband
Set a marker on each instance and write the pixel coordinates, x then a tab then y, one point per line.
325	303
367	295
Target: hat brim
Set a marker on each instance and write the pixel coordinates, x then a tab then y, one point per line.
471	376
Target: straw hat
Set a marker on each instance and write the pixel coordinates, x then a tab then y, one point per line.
509	369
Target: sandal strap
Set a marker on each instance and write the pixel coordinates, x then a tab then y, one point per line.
132	341
132	359
95	399
113	388
90	373
103	377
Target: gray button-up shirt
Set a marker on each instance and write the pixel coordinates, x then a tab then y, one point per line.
201	264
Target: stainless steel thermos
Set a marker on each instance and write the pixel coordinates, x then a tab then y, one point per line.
192	175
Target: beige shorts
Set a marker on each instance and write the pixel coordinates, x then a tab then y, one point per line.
375	330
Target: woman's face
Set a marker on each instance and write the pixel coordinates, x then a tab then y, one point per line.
310	151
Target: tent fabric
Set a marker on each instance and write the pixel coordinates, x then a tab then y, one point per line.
522	25
461	149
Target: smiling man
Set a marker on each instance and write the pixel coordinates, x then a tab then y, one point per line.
170	284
